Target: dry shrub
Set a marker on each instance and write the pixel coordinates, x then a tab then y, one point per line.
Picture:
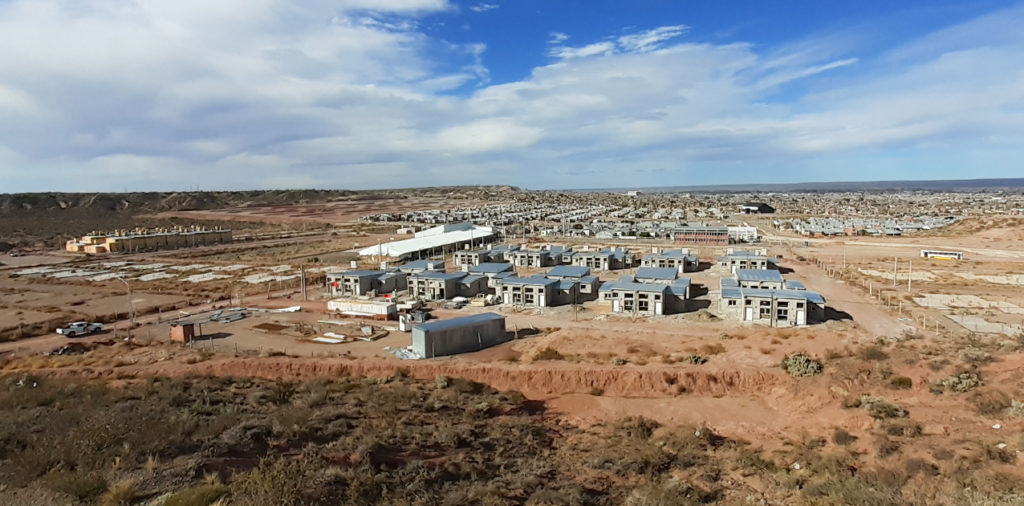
121	494
902	428
281	481
901	383
885	447
990	401
548	354
81	485
711	349
843	438
873	353
200	495
921	466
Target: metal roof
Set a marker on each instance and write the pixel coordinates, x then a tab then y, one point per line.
416	244
359	274
454	323
588	279
671	253
656	273
679	287
759	275
569	271
439	275
743	253
729	283
531	281
491	267
634	287
423	264
793	285
472	278
739	293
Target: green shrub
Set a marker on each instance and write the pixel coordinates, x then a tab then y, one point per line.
801	364
880	408
696	359
960	382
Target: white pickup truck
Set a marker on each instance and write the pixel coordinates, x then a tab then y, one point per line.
80	329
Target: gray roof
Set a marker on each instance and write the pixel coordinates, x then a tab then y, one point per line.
656	273
491	267
440	275
741	253
569	271
360	274
566	284
758	275
679	287
558	250
453	323
738	293
671	253
423	264
531	281
472	278
588	279
539	252
501	248
793	285
505	274
631	286
729	283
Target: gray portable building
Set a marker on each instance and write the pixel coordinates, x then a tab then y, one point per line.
458	335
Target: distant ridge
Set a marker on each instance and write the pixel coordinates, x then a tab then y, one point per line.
836	186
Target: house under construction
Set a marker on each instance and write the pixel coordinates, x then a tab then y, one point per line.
141	239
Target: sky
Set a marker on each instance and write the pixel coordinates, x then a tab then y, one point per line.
138	95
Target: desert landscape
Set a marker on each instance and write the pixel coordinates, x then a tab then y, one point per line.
909	391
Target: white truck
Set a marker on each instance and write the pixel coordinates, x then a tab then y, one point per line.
80	329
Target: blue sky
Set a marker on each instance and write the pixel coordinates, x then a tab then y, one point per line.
238	94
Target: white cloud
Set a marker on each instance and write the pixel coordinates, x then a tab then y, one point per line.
595	49
257	93
484	7
557	38
651	39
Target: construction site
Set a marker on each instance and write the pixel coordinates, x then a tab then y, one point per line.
882	351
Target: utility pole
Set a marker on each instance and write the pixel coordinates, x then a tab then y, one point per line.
302	276
131	308
910	274
894	270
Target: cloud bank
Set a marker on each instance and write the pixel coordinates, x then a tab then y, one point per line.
168	94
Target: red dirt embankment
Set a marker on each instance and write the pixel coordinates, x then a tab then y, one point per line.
532	380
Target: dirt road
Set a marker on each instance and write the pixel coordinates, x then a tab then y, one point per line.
869	315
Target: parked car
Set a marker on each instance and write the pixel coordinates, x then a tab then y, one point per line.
80	329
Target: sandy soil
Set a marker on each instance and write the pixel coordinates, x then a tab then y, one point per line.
346	211
740	390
